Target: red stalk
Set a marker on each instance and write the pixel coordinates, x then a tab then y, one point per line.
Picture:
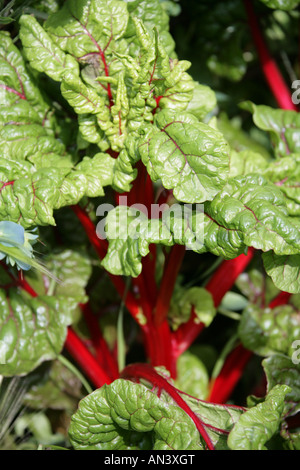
86	360
225	276
144	371
132	305
269	67
171	270
102	352
223	386
221	282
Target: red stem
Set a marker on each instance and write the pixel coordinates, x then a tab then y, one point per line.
86	360
221	282
269	67
223	385
102	352
144	371
171	270
232	370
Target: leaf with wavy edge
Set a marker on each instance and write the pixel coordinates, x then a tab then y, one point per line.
259	424
248	212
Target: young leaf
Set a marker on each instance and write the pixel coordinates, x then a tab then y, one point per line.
185	299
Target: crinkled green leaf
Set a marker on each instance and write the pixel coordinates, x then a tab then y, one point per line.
127	67
283	127
42	52
259	424
286	175
82	98
128	416
37	177
261	330
87	26
188	156
16	83
32	330
124	172
281	369
130	233
91	32
245	162
153	15
37	174
249	211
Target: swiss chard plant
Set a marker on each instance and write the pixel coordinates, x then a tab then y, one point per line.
149	225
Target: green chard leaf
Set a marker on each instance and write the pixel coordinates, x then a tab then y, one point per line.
37	174
248	212
284	270
184	299
42	52
122	66
285	174
284	370
129	416
188	156
259	424
130	233
261	329
283	127
32	330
